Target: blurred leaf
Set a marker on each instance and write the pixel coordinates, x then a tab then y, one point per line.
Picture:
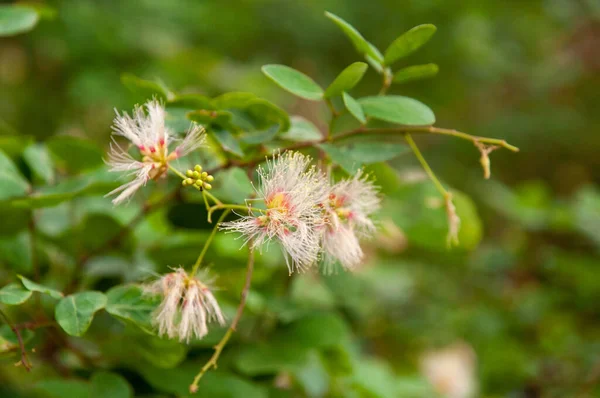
131	304
214	384
160	352
352	156
375	378
415	72
15	19
109	385
347	79
75	154
586	205
233	185
259	137
209	117
313	376
16	251
398	109
35	287
227	141
96	182
98	229
408	42
146	89
293	81
13	145
14	220
302	130
385	177
75	313
7	334
354	108
59	388
14	294
191	101
359	42
269	358
11	182
38	159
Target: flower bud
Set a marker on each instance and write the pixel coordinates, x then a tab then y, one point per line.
207	186
189	173
198	168
210	178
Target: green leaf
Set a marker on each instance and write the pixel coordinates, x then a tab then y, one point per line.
302	130
359	42
109	385
408	42
146	89
294	81
354	155
16	251
259	137
209	117
347	79
59	388
8	335
415	72
35	287
14	294
75	313
12	182
75	154
354	108
227	141
15	19
398	109
233	185
192	101
131	304
38	159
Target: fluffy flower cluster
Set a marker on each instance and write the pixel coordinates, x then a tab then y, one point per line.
148	132
187	306
308	216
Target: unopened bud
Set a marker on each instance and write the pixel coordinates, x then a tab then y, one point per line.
210	178
207	186
184	183
189	173
204	174
198	183
193	389
485	150
189	181
198	168
195	174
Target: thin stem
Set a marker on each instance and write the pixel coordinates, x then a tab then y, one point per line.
212	362
179	173
205	200
17	333
425	165
207	243
387	81
212	197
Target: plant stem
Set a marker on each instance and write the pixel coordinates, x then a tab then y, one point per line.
179	173
207	243
24	361
212	362
425	165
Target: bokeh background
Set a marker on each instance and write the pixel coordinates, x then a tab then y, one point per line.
519	309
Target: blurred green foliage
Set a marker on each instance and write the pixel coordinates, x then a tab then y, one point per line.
523	290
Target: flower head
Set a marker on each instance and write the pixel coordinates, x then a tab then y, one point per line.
148	132
451	370
293	193
349	207
187	307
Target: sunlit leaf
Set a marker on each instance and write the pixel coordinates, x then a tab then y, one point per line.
15	19
408	42
347	79
302	130
354	108
35	287
415	72
293	81
14	294
398	109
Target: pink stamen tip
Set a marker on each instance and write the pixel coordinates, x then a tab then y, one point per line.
162	142
152	149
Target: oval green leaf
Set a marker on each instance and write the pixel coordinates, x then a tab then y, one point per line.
408	42
35	287
415	72
347	79
38	159
145	89
294	81
75	313
14	294
109	385
302	130
354	108
398	109
130	303
75	154
16	19
12	183
359	42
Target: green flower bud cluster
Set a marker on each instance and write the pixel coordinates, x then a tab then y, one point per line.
198	179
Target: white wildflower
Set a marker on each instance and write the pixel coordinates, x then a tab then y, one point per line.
150	135
451	371
187	307
293	193
349	207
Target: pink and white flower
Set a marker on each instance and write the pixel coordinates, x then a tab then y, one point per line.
187	307
348	209
293	193
148	132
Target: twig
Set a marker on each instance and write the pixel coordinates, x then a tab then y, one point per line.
17	333
212	362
